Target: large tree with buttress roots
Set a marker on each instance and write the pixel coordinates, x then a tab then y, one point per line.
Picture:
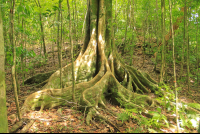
100	74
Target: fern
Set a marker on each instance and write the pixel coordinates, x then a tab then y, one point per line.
123	117
129	112
194	105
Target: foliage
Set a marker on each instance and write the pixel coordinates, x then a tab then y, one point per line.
188	118
123	117
20	54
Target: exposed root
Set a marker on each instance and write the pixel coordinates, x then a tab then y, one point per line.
95	124
100	74
108	121
26	128
17	126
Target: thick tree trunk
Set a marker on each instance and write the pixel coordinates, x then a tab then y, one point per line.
100	74
3	109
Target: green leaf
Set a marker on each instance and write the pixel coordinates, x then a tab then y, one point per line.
123	117
165	119
27	10
183	120
20	9
159	109
26	70
194	105
55	8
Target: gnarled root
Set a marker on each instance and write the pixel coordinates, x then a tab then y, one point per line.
100	75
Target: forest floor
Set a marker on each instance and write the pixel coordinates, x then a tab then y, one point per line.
65	119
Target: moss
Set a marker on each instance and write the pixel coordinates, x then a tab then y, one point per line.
105	86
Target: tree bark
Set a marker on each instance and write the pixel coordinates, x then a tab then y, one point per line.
99	72
12	7
42	30
187	44
162	72
72	59
3	109
174	67
197	51
59	42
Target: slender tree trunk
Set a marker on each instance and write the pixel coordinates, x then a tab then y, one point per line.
143	46
133	31
187	44
3	109
72	59
76	22
149	27
156	33
184	42
163	40
42	30
58	43
12	2
115	26
174	64
25	48
43	40
145	27
61	29
23	55
54	40
84	23
197	51
127	22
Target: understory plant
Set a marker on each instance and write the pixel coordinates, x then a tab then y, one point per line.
188	118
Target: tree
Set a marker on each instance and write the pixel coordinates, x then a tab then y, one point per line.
174	65
162	72
100	73
71	44
42	29
197	50
3	109
14	76
59	42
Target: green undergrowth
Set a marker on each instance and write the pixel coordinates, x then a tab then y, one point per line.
188	119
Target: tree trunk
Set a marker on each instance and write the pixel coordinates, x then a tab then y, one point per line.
3	109
187	44
99	72
12	7
174	67
42	30
162	72
197	51
132	23
59	42
72	59
127	22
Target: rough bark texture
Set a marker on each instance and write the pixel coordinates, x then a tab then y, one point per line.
100	74
3	109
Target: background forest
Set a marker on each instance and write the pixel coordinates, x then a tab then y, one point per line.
158	37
